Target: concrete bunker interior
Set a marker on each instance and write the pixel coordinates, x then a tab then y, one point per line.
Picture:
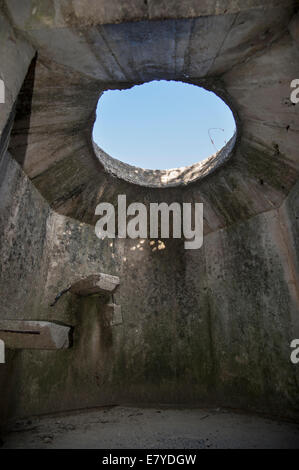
208	327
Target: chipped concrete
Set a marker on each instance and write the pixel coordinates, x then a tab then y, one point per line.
26	334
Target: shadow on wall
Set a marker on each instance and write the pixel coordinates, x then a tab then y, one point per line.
22	117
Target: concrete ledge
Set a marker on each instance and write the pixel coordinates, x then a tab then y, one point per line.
22	334
96	284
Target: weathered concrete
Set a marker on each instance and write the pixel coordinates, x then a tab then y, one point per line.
166	178
251	45
15	57
96	284
31	16
112	314
26	334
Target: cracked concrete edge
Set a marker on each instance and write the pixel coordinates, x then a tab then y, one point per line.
165	178
29	334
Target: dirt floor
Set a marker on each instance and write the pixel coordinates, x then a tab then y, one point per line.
159	428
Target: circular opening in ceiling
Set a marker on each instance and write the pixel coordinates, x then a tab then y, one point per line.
162	132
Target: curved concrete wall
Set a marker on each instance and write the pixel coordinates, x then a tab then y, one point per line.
211	326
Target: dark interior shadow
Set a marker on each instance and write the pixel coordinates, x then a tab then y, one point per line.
20	130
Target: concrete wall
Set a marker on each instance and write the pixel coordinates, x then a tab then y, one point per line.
211	326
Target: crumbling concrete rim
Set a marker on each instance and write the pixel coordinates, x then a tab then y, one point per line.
172	177
165	178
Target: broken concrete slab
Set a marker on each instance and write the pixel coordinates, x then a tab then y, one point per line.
21	334
112	315
96	284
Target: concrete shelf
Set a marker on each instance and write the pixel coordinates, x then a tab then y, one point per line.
96	284
21	334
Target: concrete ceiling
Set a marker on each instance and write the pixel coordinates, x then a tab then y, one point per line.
245	51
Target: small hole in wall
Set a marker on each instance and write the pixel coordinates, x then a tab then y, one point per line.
162	124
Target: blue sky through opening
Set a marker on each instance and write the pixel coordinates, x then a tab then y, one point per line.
162	124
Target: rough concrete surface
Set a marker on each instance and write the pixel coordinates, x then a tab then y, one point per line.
20	334
95	284
152	428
